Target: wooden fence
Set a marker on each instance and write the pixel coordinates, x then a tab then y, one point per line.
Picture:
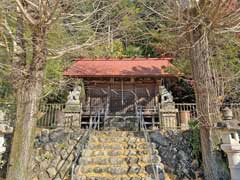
51	114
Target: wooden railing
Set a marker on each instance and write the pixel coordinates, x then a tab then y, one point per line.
52	114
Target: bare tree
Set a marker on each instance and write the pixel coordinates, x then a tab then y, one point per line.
28	79
198	21
27	59
202	21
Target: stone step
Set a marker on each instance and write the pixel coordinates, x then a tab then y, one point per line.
122	169
114	133
116	152
111	177
116	155
115	160
107	139
118	145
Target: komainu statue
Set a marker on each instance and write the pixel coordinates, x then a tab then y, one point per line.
167	109
74	96
165	95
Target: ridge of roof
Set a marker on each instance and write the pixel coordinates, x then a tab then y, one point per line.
138	67
124	59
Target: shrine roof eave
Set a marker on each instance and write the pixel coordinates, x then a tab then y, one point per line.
124	76
139	67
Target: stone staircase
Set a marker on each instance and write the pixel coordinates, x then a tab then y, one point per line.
121	123
117	155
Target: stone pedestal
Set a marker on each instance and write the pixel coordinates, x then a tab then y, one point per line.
72	119
72	115
168	115
168	118
232	147
73	108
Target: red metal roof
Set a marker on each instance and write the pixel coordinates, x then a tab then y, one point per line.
126	67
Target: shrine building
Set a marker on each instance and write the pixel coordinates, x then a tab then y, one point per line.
118	87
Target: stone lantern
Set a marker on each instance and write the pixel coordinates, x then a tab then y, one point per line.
230	142
4	129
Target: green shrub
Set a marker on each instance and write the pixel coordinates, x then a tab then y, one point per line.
194	140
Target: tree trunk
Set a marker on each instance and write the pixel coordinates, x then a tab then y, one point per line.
28	91
22	143
207	100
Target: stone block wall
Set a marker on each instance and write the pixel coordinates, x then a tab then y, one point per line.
56	149
54	153
176	154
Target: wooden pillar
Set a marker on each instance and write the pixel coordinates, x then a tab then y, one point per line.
158	83
88	104
135	93
153	121
107	105
108	99
122	100
80	115
90	120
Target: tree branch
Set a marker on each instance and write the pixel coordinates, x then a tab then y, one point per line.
50	17
32	4
25	13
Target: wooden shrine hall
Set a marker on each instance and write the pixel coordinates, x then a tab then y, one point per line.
119	86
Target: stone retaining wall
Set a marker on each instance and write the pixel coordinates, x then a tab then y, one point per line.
176	153
54	152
